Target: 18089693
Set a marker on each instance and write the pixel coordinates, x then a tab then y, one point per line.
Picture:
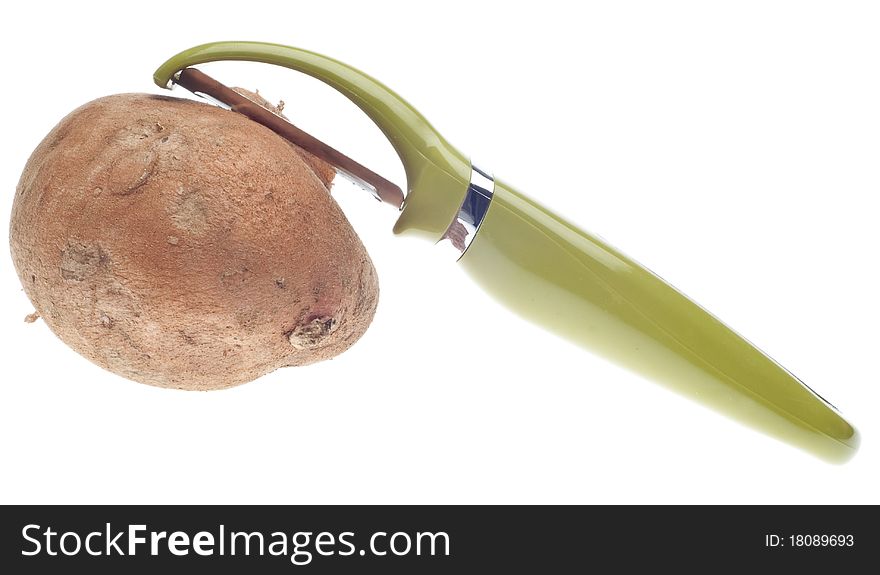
809	540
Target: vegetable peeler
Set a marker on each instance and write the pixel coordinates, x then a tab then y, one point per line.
544	268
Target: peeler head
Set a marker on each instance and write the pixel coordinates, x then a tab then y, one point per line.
437	174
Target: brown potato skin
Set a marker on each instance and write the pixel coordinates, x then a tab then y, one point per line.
181	245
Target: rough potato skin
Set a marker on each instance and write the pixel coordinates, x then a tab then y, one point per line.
181	245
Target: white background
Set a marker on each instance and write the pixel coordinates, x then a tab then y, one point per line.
731	147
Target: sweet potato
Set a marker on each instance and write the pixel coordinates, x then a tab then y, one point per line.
181	245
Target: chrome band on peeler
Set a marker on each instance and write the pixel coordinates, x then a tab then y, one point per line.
464	227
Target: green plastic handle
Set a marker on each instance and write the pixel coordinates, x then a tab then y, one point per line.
437	174
578	286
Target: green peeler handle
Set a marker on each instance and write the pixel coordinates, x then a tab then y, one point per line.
578	286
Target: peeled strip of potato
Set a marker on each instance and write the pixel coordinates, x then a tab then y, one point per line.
181	245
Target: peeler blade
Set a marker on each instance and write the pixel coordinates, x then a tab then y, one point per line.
206	87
